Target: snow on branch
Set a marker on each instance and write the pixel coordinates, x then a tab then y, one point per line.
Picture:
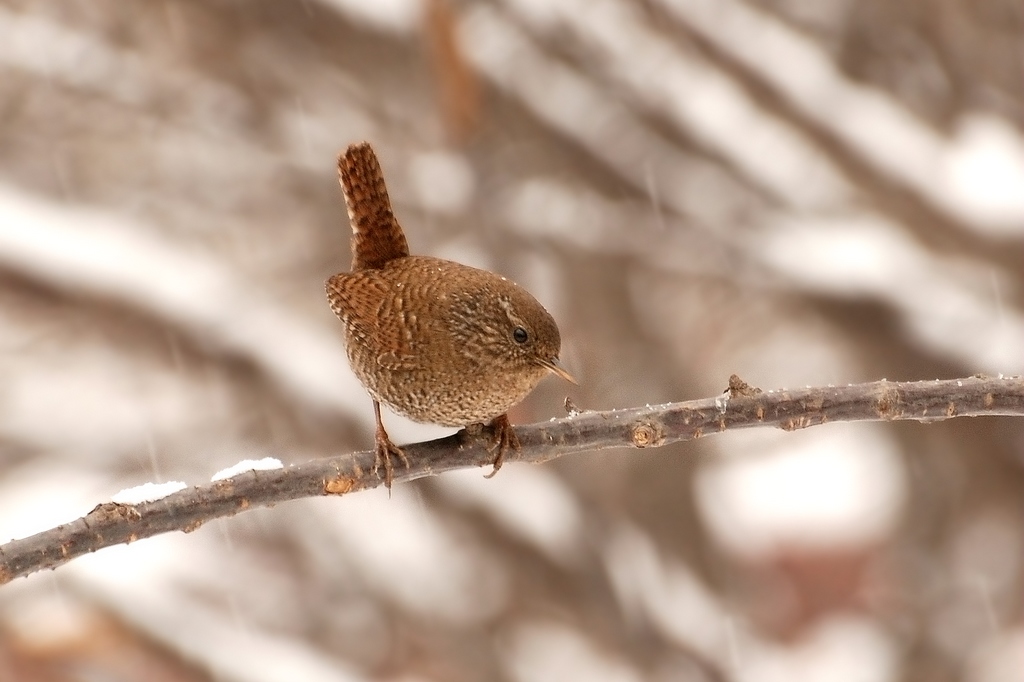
741	406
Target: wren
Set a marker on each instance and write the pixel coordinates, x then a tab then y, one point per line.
434	340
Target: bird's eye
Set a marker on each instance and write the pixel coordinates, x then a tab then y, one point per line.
519	335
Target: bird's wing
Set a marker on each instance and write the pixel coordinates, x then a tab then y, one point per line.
364	302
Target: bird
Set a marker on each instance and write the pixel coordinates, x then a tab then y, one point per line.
434	340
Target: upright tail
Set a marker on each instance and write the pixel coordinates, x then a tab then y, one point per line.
376	235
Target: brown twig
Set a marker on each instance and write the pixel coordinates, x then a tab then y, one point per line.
741	406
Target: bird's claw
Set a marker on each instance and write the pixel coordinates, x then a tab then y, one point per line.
384	450
505	438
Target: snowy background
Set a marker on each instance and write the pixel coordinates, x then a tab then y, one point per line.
800	192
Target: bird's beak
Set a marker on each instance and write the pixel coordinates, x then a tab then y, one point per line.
553	367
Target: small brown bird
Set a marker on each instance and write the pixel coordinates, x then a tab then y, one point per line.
434	340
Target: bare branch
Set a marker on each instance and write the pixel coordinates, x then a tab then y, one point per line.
652	426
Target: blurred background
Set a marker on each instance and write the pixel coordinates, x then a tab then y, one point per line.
801	192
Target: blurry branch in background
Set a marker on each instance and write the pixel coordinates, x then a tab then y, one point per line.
741	406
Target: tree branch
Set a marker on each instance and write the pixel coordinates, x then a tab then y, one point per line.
739	407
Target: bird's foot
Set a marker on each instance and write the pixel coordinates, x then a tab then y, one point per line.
505	439
383	452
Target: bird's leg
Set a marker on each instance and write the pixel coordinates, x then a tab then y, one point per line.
505	438
384	449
